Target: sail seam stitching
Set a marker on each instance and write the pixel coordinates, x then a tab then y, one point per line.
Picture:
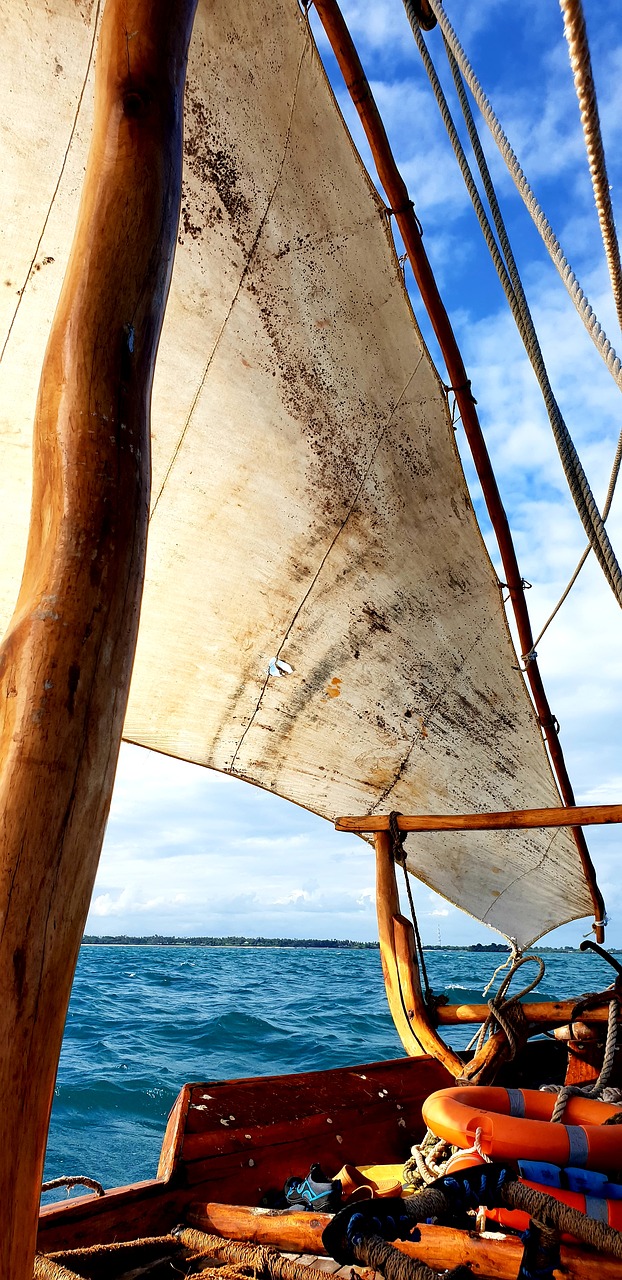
236	295
527	872
56	188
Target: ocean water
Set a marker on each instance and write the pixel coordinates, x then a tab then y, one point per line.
143	1020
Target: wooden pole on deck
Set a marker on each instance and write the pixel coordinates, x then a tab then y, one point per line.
66	661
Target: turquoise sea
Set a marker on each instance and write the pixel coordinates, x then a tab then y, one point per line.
143	1020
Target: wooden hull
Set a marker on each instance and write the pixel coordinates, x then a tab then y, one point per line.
236	1141
231	1144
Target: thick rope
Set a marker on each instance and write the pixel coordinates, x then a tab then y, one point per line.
599	1088
492	1186
512	286
551	242
238	1271
522	304
556	1214
422	1165
92	1183
265	1262
47	1269
372	1251
96	1261
581	63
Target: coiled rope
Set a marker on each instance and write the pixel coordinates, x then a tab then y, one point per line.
590	320
501	1009
509	277
578	48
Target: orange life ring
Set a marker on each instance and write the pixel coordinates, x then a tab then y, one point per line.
515	1124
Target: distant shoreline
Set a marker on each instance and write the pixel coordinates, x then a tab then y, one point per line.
330	944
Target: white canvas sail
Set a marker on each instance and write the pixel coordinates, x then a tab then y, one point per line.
309	507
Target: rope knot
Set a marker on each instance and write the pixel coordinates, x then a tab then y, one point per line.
397	837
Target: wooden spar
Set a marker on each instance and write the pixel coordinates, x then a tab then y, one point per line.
512	820
66	661
410	230
291	1230
387	908
400	969
546	1012
412	997
440	1247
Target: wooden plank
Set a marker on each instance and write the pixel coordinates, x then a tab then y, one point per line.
440	1247
140	1209
246	1178
66	661
571	816
249	1105
174	1135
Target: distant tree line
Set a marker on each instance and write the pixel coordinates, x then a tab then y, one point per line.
157	940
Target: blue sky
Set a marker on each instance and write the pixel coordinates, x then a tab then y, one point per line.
191	852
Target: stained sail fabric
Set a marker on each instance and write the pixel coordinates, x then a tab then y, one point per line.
320	614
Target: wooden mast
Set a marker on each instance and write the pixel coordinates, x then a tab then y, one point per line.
66	661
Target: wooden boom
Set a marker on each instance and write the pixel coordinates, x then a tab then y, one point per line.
66	661
571	816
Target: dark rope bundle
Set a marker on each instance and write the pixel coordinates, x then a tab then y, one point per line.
374	1252
354	1232
541	1252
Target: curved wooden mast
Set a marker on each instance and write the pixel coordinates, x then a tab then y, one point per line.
66	661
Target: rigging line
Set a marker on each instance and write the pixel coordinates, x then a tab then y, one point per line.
58	182
337	534
579	298
491	196
575	475
606	508
579	50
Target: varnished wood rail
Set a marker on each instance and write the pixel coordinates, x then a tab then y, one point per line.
586	815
